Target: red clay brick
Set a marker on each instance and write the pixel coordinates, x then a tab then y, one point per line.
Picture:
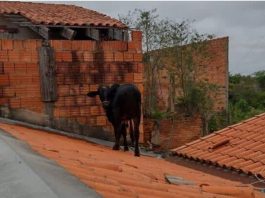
85	111
25	56
61	112
109	79
113	68
136	35
128	56
66	45
63	68
20	67
30	44
84	89
118	56
108	56
71	79
74	90
138	77
4	79
60	79
14	56
74	111
132	47
140	68
58	56
66	56
90	101
88	56
113	45
138	57
69	101
9	91
93	87
34	57
60	102
101	120
57	44
89	45
32	68
15	103
81	100
78	56
84	68
7	44
129	78
63	90
4	101
94	110
77	45
1	68
18	44
4	55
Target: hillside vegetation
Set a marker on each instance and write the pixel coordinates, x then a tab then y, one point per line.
246	96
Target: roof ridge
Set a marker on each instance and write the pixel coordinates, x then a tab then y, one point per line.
48	13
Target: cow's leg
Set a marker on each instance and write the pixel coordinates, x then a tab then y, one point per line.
117	130
131	132
136	136
125	144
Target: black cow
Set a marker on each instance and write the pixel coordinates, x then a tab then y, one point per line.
122	104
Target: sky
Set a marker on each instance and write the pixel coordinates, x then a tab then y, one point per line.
242	22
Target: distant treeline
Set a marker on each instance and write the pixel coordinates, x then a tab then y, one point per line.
246	96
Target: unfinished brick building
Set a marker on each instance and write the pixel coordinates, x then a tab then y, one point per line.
52	55
185	129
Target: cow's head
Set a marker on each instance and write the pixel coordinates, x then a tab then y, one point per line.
105	93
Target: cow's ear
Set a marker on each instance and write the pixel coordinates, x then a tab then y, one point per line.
92	93
113	90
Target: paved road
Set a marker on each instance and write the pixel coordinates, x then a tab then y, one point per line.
25	174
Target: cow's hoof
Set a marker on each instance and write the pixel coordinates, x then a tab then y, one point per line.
116	147
137	154
126	148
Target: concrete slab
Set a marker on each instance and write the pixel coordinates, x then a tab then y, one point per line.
25	174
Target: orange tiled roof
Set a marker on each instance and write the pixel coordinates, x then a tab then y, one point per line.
240	147
120	174
59	14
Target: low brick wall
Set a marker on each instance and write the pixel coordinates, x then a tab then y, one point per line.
81	66
174	133
214	70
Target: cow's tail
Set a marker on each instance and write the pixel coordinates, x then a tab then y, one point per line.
131	128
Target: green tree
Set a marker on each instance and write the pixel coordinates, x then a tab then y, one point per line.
147	22
246	96
260	76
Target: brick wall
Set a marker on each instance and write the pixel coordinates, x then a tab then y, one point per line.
80	67
213	70
19	75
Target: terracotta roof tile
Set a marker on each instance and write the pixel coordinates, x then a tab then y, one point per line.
242	147
59	14
119	174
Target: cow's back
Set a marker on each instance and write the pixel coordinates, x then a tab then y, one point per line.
127	101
